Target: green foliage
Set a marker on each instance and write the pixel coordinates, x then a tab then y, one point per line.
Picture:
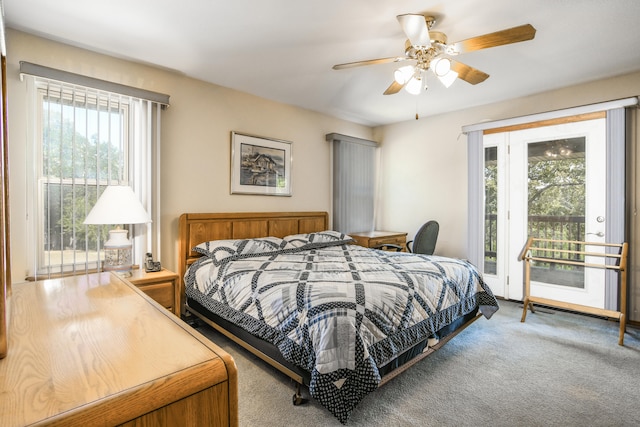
491	188
68	154
73	167
557	187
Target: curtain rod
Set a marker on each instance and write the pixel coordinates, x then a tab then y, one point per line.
591	108
78	79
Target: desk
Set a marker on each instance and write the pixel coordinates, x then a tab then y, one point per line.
95	350
372	239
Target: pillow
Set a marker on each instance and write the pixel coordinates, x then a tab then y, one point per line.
219	250
318	240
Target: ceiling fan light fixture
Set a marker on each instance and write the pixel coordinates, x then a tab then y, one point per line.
403	74
414	86
441	66
448	79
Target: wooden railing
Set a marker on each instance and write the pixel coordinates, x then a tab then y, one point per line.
567	228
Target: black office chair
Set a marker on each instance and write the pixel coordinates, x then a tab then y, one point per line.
423	243
425	240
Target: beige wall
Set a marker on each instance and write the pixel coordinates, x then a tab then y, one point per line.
195	140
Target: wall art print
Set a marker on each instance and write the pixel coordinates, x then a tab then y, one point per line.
260	165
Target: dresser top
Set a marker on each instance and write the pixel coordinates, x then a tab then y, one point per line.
92	340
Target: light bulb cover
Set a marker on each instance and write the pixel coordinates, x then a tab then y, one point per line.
403	74
414	86
448	79
441	66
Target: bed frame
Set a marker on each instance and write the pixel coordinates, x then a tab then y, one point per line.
195	228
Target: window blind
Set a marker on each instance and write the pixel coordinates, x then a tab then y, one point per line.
354	179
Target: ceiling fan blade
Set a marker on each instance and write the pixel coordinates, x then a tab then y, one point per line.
415	28
499	38
468	74
395	87
369	62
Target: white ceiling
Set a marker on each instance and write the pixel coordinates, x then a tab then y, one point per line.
284	49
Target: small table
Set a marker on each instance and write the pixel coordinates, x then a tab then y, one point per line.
161	285
371	239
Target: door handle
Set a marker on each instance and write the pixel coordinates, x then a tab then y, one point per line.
599	234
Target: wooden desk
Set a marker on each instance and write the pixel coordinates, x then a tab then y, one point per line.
94	350
375	238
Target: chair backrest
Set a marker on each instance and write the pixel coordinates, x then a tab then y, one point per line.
426	237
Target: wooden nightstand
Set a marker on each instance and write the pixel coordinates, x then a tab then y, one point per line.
162	286
375	238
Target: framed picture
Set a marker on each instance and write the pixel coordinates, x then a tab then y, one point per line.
260	165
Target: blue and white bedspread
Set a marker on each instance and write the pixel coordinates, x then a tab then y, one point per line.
335	309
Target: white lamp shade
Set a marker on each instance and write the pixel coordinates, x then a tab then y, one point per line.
118	205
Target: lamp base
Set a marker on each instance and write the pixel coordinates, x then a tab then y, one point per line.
117	253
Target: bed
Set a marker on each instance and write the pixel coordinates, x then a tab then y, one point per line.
336	317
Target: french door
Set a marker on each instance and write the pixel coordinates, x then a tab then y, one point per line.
546	182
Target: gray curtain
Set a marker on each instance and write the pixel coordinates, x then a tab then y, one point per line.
354	183
475	199
615	227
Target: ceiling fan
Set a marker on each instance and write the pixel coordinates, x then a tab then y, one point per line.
428	50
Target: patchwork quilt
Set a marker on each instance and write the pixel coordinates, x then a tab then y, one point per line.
335	309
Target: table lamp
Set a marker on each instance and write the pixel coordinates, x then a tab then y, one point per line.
118	205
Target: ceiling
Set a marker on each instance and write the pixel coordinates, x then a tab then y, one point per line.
283	50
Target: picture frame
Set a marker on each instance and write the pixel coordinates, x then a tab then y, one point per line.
260	165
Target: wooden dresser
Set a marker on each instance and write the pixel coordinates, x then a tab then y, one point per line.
94	350
375	238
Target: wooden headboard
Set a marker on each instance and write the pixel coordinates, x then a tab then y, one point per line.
195	228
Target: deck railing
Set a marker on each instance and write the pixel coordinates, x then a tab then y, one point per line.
567	228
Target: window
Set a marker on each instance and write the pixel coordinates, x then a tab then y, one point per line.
82	140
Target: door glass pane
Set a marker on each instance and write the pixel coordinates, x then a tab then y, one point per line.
556	204
490	209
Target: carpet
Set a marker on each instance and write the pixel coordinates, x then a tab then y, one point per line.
557	368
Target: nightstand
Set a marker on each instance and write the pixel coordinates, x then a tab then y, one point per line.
375	238
161	285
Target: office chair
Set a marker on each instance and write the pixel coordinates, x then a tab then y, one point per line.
425	240
423	243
